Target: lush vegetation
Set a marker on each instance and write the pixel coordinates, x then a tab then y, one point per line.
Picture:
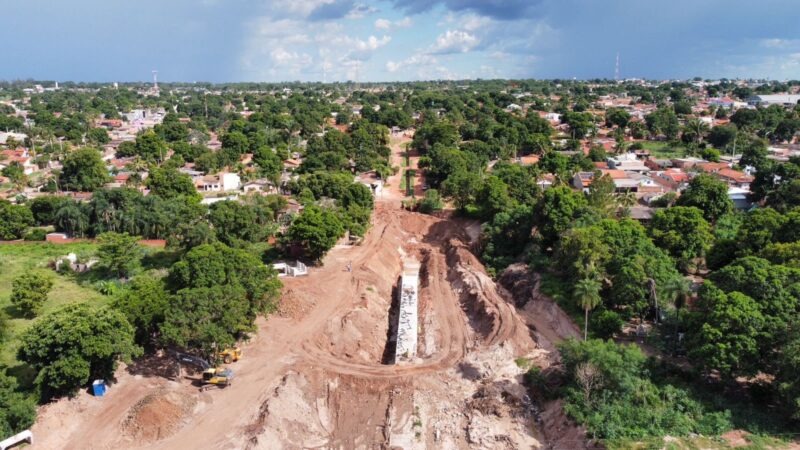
739	326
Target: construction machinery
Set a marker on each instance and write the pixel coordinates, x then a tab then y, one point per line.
212	376
230	355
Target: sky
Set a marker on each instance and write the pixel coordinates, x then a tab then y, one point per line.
397	40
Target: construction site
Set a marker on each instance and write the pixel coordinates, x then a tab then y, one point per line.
403	341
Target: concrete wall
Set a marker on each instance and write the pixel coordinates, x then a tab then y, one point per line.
408	312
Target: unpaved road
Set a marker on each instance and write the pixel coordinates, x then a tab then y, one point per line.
315	377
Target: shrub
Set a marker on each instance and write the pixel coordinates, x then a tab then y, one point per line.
36	234
605	323
29	292
431	203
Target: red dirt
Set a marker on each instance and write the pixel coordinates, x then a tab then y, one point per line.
312	376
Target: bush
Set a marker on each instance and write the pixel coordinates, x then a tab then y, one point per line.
431	203
36	234
29	292
610	390
605	323
17	410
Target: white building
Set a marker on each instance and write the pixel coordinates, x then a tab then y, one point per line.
776	99
223	182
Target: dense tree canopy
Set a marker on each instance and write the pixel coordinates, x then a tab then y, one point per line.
76	344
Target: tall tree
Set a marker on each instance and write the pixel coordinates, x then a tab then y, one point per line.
708	194
83	170
587	295
76	344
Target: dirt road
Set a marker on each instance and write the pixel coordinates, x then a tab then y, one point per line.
316	375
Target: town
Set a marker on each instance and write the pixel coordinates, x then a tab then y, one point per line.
466	258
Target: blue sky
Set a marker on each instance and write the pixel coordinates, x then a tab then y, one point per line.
339	40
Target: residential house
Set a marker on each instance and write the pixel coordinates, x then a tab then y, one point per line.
21	156
260	185
740	198
735	178
223	182
627	162
686	163
672	179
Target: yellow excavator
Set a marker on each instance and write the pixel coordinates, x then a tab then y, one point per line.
230	355
212	376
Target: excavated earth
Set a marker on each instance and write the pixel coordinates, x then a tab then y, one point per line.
318	374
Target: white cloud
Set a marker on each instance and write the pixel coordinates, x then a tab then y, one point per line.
386	24
455	41
416	60
779	43
360	11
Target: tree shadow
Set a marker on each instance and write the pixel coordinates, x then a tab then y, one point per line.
163	259
154	366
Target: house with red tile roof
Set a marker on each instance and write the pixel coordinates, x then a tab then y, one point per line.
735	178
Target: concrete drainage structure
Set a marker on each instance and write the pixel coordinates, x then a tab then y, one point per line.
407	320
287	270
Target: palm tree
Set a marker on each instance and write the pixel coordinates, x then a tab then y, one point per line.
697	129
587	293
678	290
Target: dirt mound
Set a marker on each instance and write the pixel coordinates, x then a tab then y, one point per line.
550	324
158	415
316	409
520	282
490	314
294	305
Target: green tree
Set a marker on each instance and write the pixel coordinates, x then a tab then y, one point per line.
120	253
203	317
722	136
14	220
83	170
315	231
708	194
76	344
44	208
431	203
556	211
144	301
760	227
587	294
98	136
216	264
16	173
150	146
462	186
17	410
169	183
29	292
618	117
235	223
682	231
727	332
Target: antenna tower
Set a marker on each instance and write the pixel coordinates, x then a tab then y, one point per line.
616	69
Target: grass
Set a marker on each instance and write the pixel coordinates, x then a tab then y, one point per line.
664	149
16	259
660	149
754	442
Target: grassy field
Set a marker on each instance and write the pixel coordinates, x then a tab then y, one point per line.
16	259
663	149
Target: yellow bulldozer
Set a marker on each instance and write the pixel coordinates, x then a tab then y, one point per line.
230	355
212	376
